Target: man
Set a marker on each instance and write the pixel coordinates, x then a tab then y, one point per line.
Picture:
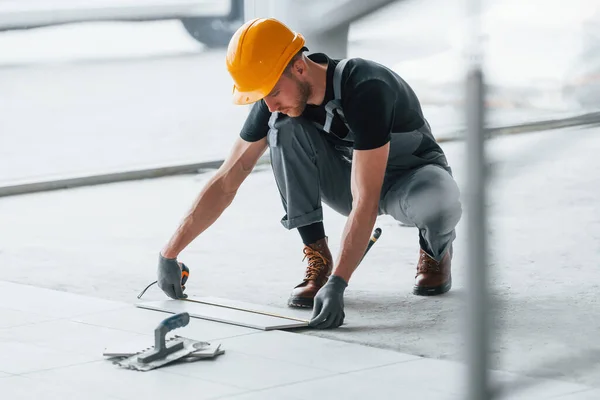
350	133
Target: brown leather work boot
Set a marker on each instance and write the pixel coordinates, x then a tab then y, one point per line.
433	277
320	264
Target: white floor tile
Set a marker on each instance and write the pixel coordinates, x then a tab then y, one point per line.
356	387
11	318
5	375
222	314
300	313
278	393
314	352
438	375
109	379
19	358
200	329
65	335
248	372
592	394
51	303
23	388
143	321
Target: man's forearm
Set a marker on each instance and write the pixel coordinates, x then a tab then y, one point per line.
208	206
355	239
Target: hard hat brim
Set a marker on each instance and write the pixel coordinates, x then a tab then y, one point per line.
244	98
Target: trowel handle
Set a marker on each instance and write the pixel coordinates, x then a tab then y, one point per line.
160	347
168	324
174	322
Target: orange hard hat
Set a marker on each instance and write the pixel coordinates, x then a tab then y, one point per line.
257	55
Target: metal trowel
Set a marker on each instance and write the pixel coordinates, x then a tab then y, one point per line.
161	354
204	350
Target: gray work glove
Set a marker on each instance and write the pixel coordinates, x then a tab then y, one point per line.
328	309
169	277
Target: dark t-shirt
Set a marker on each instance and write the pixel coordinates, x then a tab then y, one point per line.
375	100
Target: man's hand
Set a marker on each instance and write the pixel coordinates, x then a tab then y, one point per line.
169	277
328	310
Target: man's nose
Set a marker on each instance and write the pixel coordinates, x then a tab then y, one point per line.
273	106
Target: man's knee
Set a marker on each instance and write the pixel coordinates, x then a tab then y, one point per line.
435	202
439	217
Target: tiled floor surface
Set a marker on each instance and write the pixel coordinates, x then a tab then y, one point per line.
51	347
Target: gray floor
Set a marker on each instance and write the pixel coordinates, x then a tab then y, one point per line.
544	230
51	344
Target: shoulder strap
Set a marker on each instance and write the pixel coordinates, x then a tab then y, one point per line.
273	119
272	133
336	103
337	78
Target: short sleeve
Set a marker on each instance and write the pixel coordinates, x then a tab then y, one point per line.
256	126
369	111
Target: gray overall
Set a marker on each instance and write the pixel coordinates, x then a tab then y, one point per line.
418	188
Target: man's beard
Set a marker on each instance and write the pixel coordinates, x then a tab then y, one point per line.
304	93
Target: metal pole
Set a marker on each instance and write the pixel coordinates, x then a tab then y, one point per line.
477	329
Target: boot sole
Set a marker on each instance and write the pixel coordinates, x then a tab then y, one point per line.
432	291
300	302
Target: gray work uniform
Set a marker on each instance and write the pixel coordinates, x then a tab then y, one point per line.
418	188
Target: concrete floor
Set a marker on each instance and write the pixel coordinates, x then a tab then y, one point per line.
544	239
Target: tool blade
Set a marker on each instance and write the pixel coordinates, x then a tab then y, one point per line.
204	350
133	362
131	347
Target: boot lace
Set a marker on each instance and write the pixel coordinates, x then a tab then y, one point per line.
316	263
427	264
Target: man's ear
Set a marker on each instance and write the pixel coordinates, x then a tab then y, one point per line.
299	66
